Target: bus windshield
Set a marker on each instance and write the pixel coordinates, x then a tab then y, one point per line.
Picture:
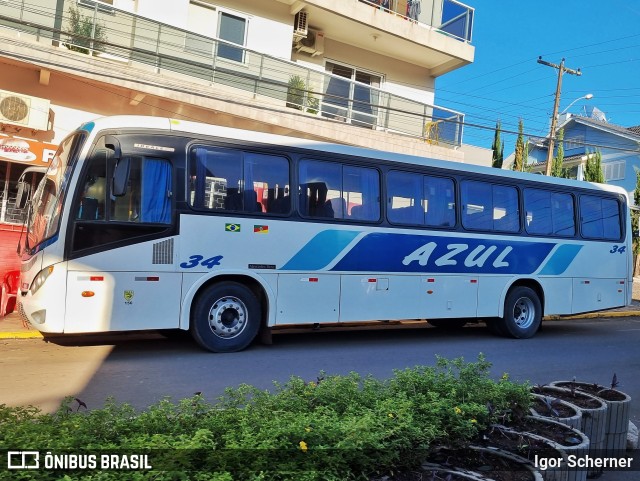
49	197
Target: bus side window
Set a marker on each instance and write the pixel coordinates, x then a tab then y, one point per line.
404	190
439	202
320	182
148	194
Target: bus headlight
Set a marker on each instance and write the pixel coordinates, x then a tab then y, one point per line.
40	278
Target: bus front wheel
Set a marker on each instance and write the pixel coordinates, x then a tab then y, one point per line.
226	317
522	313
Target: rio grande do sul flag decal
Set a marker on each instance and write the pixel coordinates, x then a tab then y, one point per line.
261	229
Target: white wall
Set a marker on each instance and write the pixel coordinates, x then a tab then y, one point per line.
269	29
67	120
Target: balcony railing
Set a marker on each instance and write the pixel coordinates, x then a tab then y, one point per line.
139	40
448	16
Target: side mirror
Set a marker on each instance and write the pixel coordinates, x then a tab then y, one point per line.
23	195
111	142
120	177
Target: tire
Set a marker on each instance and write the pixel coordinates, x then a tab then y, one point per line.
522	313
495	327
226	317
450	324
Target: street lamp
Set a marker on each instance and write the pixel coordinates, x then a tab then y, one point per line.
585	97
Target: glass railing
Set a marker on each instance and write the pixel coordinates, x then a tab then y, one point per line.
448	16
117	34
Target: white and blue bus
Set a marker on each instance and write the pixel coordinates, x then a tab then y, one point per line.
151	223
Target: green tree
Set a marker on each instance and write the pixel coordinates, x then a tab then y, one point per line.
557	169
497	147
593	168
521	152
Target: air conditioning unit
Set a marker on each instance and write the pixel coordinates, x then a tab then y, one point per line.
313	43
24	111
300	26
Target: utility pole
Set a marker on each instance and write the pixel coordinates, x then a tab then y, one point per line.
561	69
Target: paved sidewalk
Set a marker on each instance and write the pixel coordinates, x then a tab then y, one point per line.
11	326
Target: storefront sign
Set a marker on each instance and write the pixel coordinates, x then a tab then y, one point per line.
25	151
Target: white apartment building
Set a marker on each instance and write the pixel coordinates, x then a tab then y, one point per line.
361	72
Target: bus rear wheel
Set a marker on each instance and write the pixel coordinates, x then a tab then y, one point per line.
226	317
522	313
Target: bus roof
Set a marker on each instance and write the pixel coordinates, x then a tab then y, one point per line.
190	127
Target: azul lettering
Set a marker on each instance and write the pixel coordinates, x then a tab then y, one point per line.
478	257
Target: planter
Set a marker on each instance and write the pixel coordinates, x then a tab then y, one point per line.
437	472
594	417
617	422
564	438
492	463
556	410
535	449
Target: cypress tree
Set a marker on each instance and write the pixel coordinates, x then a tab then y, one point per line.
520	159
557	169
593	168
497	148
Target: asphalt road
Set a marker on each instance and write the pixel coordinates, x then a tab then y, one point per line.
141	370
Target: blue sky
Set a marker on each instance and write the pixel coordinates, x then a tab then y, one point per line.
506	83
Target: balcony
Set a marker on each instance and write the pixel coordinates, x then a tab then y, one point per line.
168	50
437	38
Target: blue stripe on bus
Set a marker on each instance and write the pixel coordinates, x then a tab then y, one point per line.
320	250
383	252
560	260
88	126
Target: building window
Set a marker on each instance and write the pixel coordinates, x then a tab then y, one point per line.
614	170
345	100
575	142
231	29
205	21
102	4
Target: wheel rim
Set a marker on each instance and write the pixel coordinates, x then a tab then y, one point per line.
524	312
228	317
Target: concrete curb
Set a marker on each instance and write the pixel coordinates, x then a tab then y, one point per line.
21	335
32	334
593	315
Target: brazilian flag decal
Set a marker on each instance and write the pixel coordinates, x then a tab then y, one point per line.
232	227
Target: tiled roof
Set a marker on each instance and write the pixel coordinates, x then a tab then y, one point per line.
633	131
568	159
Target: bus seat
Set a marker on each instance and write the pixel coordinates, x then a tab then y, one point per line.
338	207
407	215
280	205
233	200
88	209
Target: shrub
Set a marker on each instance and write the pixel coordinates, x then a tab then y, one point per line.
334	428
81	31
